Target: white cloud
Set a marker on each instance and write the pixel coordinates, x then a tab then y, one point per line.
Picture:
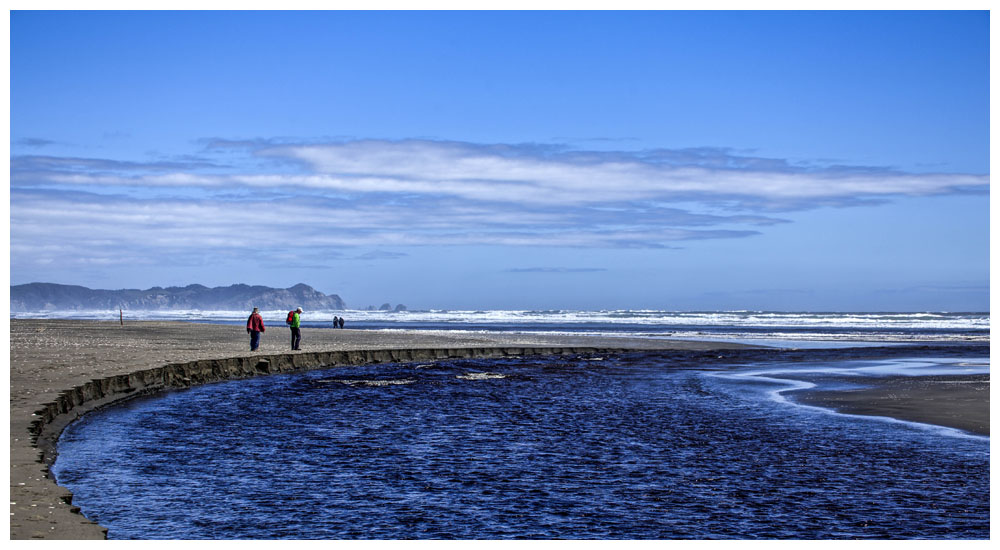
529	176
381	194
483	173
48	228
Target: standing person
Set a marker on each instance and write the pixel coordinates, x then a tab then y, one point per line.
341	322
335	321
294	319
255	326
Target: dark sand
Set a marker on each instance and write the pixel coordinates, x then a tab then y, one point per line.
48	357
959	401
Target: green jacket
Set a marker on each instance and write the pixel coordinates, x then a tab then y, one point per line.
295	321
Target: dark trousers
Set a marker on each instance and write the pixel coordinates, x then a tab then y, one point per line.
296	337
254	340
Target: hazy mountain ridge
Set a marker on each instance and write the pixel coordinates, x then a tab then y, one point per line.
50	296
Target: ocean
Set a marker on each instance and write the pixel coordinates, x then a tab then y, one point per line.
763	327
642	445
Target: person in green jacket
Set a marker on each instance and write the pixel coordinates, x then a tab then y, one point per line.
294	325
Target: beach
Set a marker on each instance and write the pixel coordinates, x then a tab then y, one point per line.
49	358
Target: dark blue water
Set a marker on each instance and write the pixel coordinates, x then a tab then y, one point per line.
635	446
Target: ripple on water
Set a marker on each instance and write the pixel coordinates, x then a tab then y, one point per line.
481	376
372	383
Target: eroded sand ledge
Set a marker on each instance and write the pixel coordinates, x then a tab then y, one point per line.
62	369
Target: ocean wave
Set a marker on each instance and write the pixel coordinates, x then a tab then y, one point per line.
758	327
860	320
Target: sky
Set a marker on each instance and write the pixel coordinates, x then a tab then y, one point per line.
796	161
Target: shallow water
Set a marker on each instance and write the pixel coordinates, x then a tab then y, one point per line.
635	446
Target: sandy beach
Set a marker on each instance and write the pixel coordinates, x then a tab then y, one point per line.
105	362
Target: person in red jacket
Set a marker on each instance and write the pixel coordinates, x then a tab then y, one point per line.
255	326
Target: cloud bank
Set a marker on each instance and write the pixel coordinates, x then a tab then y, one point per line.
376	196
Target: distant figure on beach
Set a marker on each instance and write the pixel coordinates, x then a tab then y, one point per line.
293	321
336	321
340	321
255	326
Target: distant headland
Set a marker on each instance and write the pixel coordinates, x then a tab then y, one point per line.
50	296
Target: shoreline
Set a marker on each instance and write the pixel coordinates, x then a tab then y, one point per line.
61	369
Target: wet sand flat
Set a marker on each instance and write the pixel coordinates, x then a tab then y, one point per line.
958	401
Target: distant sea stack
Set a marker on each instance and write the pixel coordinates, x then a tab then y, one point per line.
48	296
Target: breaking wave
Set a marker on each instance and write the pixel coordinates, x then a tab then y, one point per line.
730	325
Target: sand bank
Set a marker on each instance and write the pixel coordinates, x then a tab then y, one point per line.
961	401
61	369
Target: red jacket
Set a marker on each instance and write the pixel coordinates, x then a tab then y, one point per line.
255	322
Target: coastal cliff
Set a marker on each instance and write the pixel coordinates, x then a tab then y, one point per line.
48	296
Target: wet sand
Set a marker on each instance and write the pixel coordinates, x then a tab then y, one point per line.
49	357
960	401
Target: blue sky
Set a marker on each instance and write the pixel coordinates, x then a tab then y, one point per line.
511	160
